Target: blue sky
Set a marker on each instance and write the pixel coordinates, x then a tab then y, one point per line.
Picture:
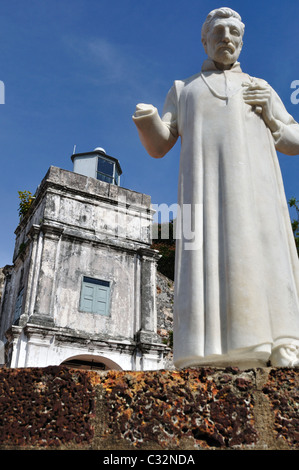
74	70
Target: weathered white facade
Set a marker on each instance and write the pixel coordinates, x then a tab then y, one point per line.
83	282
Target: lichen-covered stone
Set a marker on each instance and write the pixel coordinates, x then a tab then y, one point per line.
190	409
282	389
45	407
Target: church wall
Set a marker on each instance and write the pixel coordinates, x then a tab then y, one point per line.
16	282
97	208
119	268
80	230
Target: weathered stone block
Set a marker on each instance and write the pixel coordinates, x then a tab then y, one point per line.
189	410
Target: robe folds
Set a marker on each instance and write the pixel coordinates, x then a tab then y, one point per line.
237	280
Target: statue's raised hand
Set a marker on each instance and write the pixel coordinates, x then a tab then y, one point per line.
260	97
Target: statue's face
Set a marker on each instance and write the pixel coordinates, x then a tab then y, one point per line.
223	43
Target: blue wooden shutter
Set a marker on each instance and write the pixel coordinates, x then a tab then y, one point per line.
87	297
95	296
101	300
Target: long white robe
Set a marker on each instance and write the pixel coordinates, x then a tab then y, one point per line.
237	281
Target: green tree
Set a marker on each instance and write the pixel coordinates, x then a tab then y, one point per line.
293	202
166	248
26	199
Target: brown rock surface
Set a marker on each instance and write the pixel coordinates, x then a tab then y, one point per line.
192	409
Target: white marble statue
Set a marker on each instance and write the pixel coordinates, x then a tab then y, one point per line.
237	283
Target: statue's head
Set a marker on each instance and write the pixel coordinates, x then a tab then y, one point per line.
222	36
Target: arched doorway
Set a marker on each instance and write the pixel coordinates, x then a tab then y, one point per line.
90	362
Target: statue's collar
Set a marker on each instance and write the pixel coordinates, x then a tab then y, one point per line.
209	66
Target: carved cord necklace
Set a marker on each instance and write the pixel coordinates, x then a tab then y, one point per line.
218	95
212	90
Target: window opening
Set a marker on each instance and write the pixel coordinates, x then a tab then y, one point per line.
95	296
18	307
106	171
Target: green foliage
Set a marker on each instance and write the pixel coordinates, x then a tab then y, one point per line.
293	202
26	199
166	248
169	340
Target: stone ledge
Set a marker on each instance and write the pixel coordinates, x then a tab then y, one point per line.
188	410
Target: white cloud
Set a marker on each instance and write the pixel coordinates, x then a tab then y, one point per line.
108	58
105	63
